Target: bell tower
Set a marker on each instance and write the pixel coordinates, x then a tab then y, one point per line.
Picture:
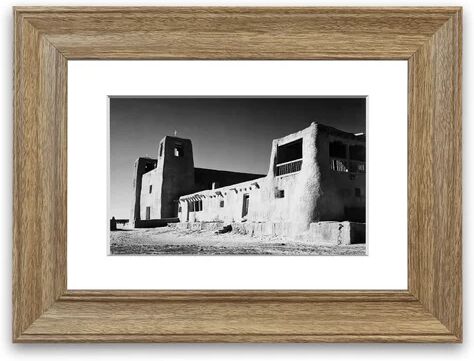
175	169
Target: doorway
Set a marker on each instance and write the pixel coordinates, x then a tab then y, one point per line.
245	205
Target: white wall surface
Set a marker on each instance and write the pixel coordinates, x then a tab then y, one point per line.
8	351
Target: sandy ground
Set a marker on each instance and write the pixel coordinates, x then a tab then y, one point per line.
170	241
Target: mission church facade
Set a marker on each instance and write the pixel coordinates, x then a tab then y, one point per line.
314	175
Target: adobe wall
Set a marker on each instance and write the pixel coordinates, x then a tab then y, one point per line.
231	211
152	199
141	166
337	233
172	177
155	223
296	208
177	176
339	188
302	189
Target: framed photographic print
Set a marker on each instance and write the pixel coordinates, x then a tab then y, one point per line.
172	197
237	175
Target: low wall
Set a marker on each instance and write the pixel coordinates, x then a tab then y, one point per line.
154	223
199	226
323	233
250	228
263	228
337	233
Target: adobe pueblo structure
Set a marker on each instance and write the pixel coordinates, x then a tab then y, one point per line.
315	185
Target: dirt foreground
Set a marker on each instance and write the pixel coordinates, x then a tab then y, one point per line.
171	241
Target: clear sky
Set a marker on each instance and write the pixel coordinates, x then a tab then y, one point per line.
227	133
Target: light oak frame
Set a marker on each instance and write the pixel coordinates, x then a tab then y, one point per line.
47	37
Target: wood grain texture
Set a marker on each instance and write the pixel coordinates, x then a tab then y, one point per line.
209	318
39	247
435	175
239	33
46	37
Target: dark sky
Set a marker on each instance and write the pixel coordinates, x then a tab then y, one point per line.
227	133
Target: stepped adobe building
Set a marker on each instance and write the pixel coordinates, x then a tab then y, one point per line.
314	175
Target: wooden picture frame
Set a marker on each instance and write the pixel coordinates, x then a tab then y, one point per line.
47	37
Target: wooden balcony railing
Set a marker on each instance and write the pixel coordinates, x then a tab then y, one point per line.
339	165
343	165
289	167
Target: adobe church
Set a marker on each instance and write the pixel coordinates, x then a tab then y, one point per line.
314	175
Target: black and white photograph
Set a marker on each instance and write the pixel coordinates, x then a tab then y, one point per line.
281	176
